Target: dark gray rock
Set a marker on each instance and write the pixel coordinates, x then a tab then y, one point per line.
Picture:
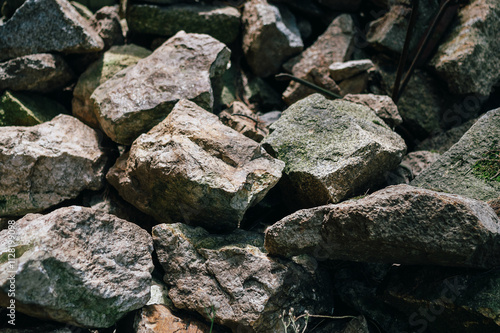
106	22
401	224
75	257
469	168
36	72
47	26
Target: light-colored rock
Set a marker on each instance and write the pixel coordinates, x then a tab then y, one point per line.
401	224
464	168
25	109
219	21
240	118
464	60
318	76
443	299
356	84
106	22
47	26
332	149
269	118
247	289
139	97
158	318
75	257
36	72
46	164
382	105
193	168
110	63
336	44
343	70
82	10
270	36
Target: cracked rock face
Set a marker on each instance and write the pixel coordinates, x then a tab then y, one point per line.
137	98
331	149
247	289
401	224
77	266
46	164
192	168
52	25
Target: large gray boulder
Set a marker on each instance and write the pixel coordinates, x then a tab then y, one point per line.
137	98
77	266
110	63
192	168
46	164
47	26
332	149
464	60
401	224
471	166
270	36
219	21
36	72
231	277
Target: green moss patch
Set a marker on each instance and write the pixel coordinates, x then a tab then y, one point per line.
489	166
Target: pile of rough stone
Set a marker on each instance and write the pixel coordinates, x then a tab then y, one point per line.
155	176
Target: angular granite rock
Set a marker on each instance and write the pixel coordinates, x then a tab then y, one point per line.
47	26
46	164
25	109
382	105
240	118
219	21
231	273
336	44
106	22
194	169
77	266
332	149
402	224
110	63
139	97
343	70
439	299
468	168
270	36
36	72
464	59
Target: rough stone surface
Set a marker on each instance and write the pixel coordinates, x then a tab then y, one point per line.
158	318
139	97
343	70
106	22
192	168
270	36
46	164
219	21
464	59
77	266
332	149
44	26
456	170
110	63
318	76
388	32
25	109
382	105
456	300
37	72
336	44
247	289
240	118
401	223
